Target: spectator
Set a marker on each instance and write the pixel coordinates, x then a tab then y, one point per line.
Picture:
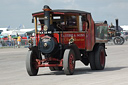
10	40
19	41
30	42
14	42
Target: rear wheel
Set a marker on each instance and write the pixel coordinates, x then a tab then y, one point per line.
52	68
118	40
31	64
69	61
92	60
97	58
56	68
100	58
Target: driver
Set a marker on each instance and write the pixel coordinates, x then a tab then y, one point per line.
42	25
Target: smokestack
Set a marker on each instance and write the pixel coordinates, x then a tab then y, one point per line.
117	25
117	29
47	16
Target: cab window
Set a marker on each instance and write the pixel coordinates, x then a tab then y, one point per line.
71	21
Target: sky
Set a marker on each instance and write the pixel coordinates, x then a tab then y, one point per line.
15	13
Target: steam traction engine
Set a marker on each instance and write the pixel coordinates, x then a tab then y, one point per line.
115	32
65	37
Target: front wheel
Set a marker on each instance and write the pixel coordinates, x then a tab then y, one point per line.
69	62
31	64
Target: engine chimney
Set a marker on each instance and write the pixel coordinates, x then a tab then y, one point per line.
47	16
117	29
117	25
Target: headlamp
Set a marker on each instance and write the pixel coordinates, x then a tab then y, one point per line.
45	27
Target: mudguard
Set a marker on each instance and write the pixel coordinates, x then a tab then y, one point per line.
76	50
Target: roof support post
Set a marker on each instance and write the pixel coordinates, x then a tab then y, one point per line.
35	25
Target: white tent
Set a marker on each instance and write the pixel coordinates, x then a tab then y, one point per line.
26	30
3	29
125	27
12	32
6	33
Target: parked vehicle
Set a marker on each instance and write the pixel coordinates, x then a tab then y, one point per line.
65	37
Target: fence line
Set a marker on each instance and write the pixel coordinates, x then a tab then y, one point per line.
14	43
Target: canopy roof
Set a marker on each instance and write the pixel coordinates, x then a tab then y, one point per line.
63	11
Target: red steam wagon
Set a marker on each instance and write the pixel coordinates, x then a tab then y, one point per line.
66	36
